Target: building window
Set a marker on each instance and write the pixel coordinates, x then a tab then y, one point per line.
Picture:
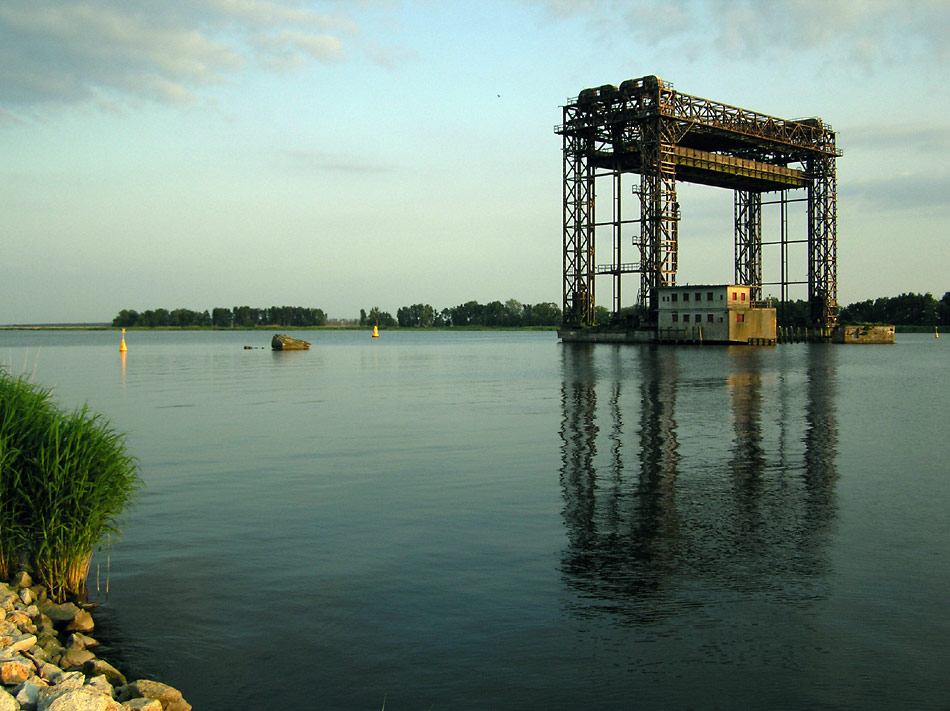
743	296
699	297
709	318
676	317
740	318
709	296
685	318
674	298
685	297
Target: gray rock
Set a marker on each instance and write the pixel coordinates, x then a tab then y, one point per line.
101	683
84	698
50	672
143	704
82	622
77	640
75	659
23	621
27	694
100	667
21	580
60	615
7	702
70	680
20	643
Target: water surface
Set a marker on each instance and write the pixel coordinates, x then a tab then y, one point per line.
493	520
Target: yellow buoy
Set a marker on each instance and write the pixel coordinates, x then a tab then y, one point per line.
122	347
375	331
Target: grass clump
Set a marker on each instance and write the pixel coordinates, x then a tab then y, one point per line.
65	478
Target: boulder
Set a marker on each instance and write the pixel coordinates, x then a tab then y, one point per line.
60	614
101	683
77	640
143	704
70	680
97	667
75	659
7	702
19	643
82	622
84	698
21	580
29	691
169	696
283	342
14	670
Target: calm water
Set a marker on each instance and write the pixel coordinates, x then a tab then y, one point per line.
482	520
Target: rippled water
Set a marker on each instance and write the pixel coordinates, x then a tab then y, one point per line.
483	520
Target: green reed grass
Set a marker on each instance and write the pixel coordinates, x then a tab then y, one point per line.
25	413
65	478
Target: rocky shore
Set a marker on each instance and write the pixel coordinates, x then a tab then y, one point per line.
48	662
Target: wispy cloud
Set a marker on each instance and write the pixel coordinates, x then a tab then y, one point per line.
68	51
865	31
904	137
329	162
911	193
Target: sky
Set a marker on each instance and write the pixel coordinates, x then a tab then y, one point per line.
350	154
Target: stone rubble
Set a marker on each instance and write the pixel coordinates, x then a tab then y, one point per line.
48	662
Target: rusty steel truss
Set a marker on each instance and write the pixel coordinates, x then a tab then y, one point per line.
647	127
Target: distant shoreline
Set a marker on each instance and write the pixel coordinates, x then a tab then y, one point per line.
109	327
57	327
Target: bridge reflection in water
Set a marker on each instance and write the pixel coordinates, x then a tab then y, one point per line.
694	476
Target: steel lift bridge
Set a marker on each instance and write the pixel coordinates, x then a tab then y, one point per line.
647	127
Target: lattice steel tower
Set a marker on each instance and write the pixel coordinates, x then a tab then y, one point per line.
647	127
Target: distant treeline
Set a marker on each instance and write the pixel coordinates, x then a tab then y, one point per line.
511	313
495	314
238	317
904	310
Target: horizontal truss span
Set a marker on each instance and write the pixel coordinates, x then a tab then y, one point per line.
714	169
629	268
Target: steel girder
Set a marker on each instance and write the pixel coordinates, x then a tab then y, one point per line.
823	242
578	255
748	250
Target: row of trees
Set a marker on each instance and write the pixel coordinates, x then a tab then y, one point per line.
904	310
238	317
512	314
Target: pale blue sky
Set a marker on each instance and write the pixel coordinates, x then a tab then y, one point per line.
345	155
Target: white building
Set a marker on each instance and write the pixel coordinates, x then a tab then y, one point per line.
713	314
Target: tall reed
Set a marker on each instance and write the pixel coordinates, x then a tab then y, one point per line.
85	478
25	414
65	480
